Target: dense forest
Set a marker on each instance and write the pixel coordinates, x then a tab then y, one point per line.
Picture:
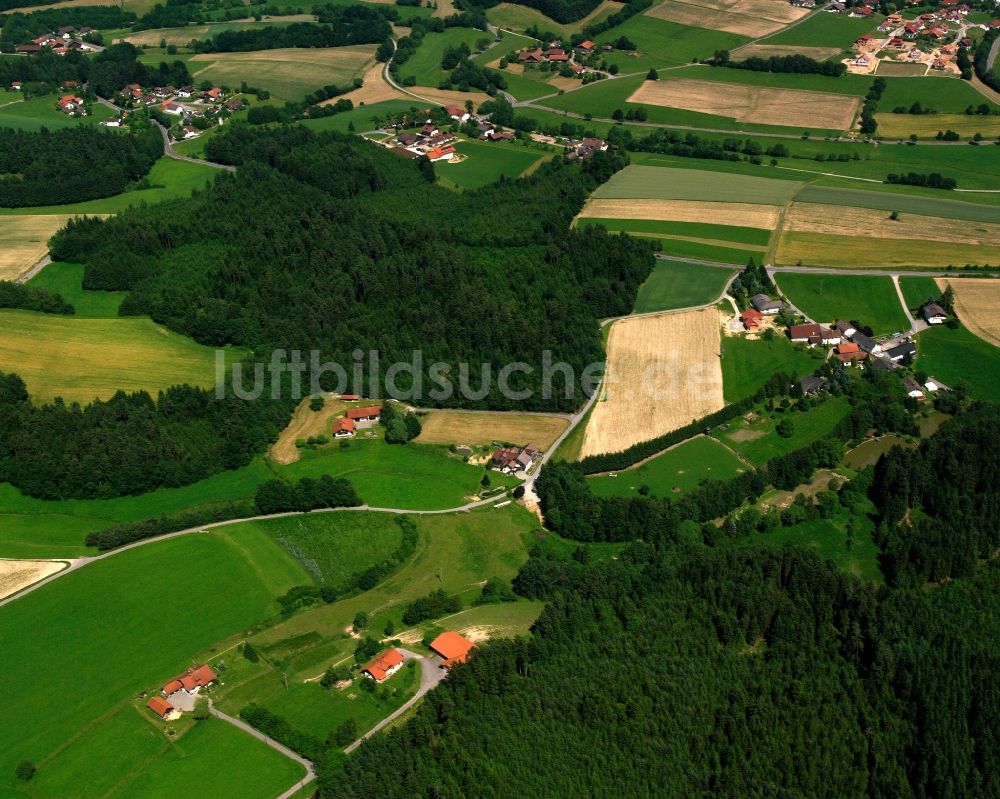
683	669
328	243
351	25
29	298
129	444
74	164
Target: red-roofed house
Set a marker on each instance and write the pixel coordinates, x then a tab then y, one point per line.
369	413
586	47
69	103
343	428
172	687
441	153
192	681
849	352
160	706
351	397
452	647
751	318
457	113
531	56
384	666
213	94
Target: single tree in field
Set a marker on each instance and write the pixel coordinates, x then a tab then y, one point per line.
948	299
360	621
250	653
25	770
201	710
652	74
346	732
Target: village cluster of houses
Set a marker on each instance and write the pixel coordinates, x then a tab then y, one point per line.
65	40
187	103
511	460
179	695
451	647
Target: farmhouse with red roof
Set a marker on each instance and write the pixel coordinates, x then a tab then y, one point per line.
369	413
161	707
384	666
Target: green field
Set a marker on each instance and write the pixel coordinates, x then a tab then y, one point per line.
665	44
639	182
67	281
827	298
747	364
486	163
425	64
916	290
902	202
41	112
708	252
674	284
517	17
701	230
826	30
957	355
945	95
363	117
32	527
131	628
80	359
334	547
677	470
857	555
169	178
417	476
758	442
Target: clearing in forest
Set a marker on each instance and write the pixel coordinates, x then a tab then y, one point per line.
755	104
977	303
485	427
747	17
24	240
663	373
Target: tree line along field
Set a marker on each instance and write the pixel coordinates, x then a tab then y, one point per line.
98	658
827	298
677	470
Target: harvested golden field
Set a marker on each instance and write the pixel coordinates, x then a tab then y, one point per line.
305	423
848	221
16	575
752	18
373	90
288	73
977	303
739	214
770	50
663	373
445	96
746	103
857	251
24	240
485	427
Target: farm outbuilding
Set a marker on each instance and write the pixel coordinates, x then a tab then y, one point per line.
453	647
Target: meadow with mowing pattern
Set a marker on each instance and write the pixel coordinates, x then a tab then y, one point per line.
675	284
916	290
676	471
82	359
958	356
748	363
486	163
827	298
664	183
99	658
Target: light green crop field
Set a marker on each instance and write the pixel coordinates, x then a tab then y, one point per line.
662	183
41	528
169	178
701	230
928	126
940	205
132	628
486	163
41	112
80	359
847	252
679	248
956	356
943	94
665	44
66	280
425	64
758	442
674	284
826	30
288	73
412	476
676	471
827	298
916	290
334	547
748	363
828	539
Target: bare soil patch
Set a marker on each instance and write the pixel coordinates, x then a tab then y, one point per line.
897	69
745	435
757	104
24	240
739	214
977	302
848	221
485	427
374	89
16	575
769	50
446	96
663	372
305	423
752	18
